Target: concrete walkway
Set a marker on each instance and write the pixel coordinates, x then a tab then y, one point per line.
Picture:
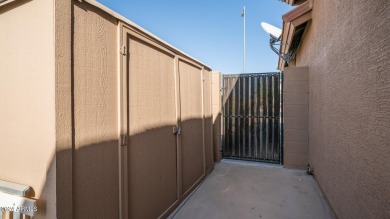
240	190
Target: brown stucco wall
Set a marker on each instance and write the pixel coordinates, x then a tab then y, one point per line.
296	117
347	50
27	99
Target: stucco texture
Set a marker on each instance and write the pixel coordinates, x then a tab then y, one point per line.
27	100
347	50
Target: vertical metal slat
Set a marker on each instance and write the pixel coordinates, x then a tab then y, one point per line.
246	119
265	119
276	118
232	120
273	117
252	120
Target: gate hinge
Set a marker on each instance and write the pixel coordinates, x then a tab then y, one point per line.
123	140
123	50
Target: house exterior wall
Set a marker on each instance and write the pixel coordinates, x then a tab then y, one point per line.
27	99
346	48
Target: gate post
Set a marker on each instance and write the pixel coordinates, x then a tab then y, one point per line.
296	117
216	95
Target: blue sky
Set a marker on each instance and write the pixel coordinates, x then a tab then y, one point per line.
210	30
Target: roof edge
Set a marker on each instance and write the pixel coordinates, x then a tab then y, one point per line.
293	2
291	20
297	12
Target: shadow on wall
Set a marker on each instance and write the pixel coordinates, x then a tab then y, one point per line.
152	165
217	137
94	183
152	169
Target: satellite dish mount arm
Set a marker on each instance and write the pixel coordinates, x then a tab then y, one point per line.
272	42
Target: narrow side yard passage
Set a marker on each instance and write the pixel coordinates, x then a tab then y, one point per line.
239	189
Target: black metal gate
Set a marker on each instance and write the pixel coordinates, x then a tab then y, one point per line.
252	117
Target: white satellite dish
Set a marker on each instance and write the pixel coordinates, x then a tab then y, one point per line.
271	30
275	41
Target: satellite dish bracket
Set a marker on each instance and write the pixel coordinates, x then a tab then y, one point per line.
277	41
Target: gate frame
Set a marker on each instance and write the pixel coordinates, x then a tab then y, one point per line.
281	113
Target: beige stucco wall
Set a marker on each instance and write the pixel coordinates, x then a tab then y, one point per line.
27	112
347	51
216	111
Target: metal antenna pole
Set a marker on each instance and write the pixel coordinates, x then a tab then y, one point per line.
244	42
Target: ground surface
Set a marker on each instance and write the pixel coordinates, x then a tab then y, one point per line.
240	190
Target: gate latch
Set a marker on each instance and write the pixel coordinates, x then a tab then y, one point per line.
176	130
123	140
